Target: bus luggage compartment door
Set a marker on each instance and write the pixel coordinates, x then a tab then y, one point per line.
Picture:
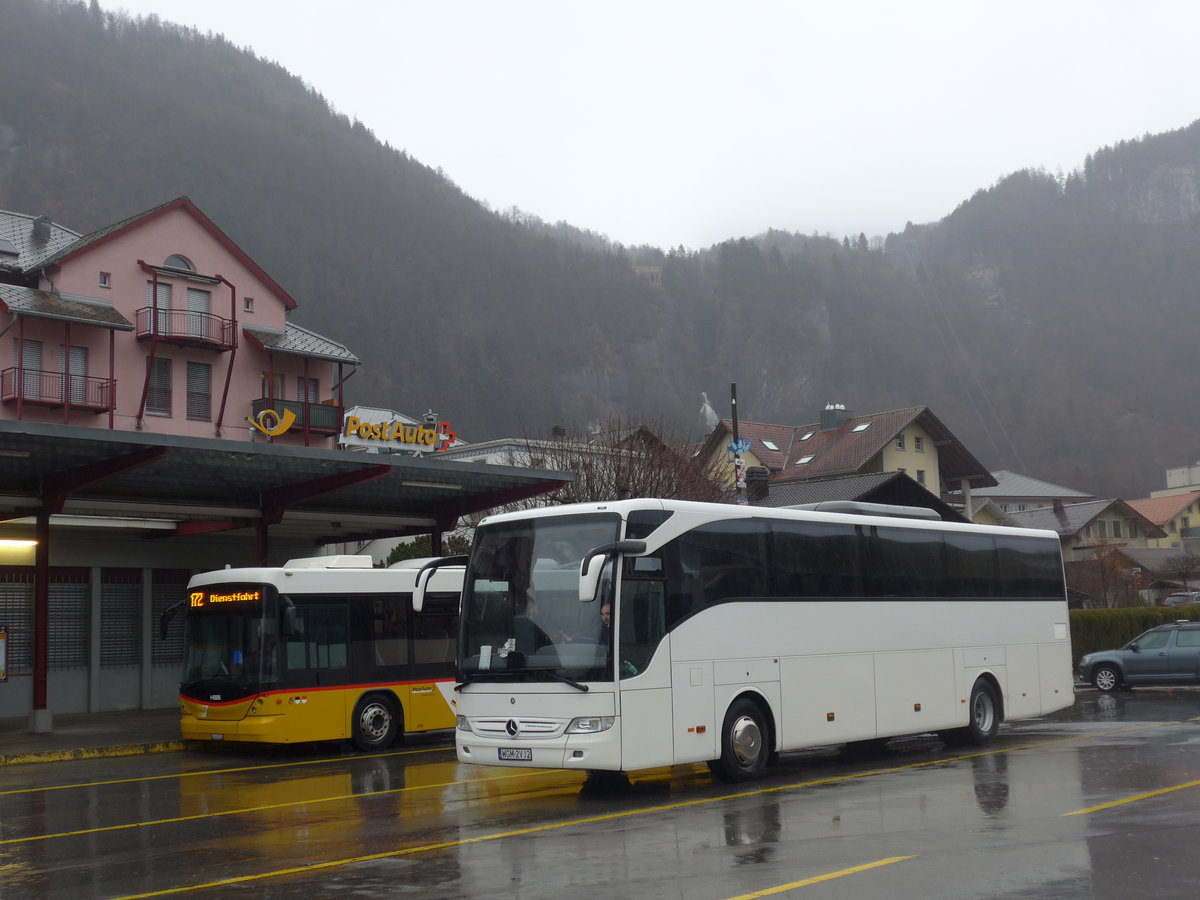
695	729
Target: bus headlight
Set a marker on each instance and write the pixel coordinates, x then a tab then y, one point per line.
462	724
590	724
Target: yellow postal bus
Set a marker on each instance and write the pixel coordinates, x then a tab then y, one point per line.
320	649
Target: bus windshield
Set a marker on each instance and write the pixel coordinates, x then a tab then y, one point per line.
232	638
521	614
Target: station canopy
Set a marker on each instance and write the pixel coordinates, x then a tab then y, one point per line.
184	485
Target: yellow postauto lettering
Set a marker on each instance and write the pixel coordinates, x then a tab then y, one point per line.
395	430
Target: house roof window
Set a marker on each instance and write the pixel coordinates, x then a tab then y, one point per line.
770	445
804	459
863	427
807	436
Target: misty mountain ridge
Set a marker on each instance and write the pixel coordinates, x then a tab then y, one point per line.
1045	320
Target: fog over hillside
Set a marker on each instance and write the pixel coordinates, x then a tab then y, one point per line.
1045	320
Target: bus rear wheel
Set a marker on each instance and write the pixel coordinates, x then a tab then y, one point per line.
984	721
376	722
744	743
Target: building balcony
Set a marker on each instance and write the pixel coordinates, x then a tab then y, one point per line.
186	328
40	388
322	418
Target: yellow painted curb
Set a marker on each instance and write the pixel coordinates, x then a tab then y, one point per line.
66	755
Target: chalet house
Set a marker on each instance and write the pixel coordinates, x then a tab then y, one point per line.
160	324
911	442
1014	492
1178	515
1087	530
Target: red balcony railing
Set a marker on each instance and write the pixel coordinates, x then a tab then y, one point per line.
42	388
182	326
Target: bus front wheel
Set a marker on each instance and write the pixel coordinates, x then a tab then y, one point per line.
744	743
376	722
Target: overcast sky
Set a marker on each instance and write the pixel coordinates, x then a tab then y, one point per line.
672	123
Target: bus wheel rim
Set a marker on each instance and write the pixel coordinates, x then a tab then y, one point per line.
983	711
745	739
374	721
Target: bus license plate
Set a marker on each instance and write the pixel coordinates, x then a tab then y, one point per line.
516	753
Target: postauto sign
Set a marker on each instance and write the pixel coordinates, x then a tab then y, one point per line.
388	430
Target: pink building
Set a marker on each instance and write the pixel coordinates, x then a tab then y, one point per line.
159	324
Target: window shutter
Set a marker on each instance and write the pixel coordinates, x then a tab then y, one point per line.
77	371
159	397
198	303
199	391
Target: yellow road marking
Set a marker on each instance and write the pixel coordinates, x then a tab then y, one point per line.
1134	799
303	762
828	876
608	817
525	773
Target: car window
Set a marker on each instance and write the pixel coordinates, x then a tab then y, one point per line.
1152	640
1188	637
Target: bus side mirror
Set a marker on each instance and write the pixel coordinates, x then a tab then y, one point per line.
426	572
589	575
288	623
164	620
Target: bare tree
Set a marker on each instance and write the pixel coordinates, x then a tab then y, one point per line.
620	460
1105	580
1184	567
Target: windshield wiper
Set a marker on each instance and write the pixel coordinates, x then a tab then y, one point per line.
540	674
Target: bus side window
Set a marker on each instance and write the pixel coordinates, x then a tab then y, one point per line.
320	641
387	630
433	630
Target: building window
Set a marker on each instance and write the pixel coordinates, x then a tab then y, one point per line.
158	398
863	427
176	261
900	442
1117	528
74	369
199	391
919	444
248	304
1102	529
198	304
28	356
106	279
268	382
1133	529
804	459
163	305
920	476
1186	522
1171	526
309	395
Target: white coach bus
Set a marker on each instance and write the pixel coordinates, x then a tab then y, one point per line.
640	633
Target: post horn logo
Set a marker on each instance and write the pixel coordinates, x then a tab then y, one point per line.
271	423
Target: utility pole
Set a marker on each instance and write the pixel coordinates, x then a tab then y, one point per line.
736	448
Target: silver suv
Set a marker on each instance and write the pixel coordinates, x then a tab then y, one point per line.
1166	654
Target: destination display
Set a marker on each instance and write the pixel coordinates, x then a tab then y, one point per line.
224	598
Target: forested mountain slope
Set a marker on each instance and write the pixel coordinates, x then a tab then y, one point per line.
1050	322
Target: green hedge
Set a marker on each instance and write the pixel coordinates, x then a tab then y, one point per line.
1108	629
